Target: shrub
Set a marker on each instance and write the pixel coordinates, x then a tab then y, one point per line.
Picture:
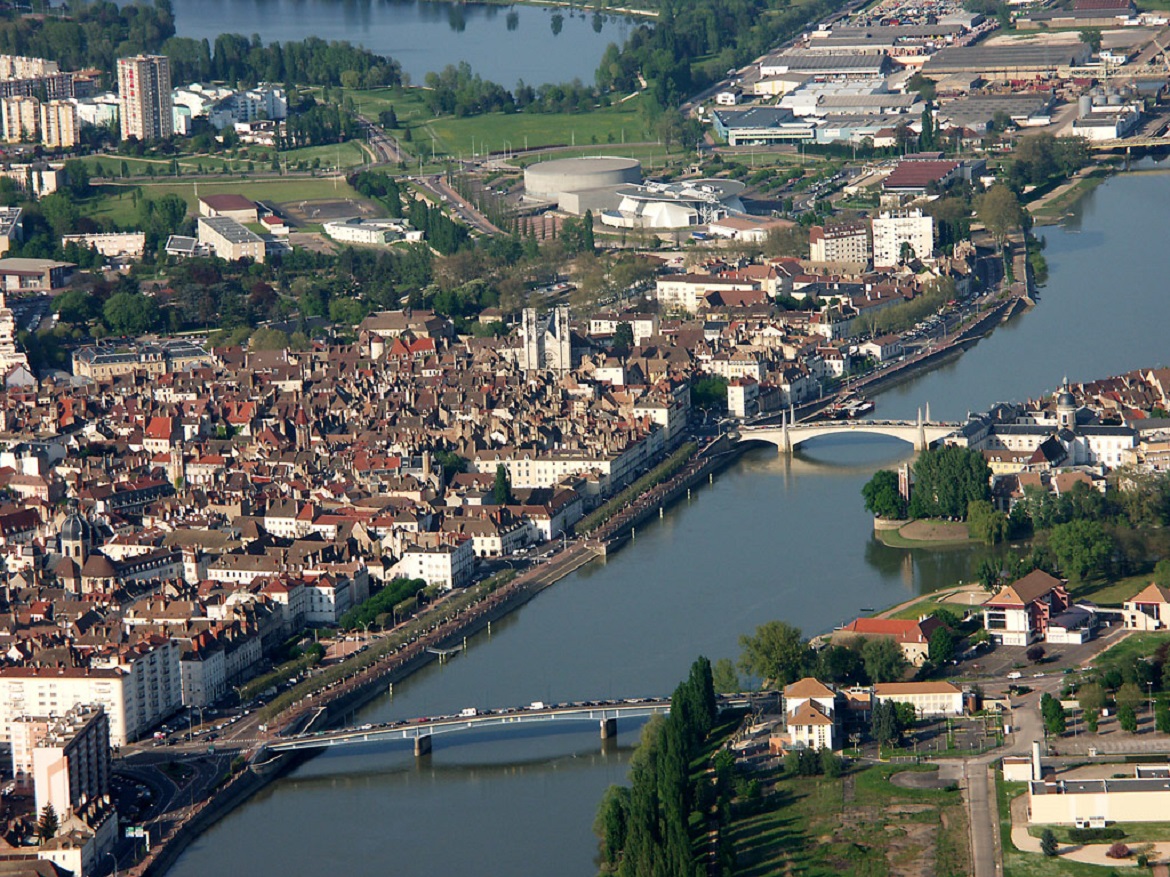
1094	835
1117	851
1048	843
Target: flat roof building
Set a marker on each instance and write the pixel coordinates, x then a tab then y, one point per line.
230	240
34	275
144	93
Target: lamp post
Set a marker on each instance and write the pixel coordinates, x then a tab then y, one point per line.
115	858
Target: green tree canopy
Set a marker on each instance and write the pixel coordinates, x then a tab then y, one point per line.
884	659
1000	212
947	480
502	488
882	497
1083	548
776	651
130	313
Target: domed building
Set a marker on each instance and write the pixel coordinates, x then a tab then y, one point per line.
77	538
1066	408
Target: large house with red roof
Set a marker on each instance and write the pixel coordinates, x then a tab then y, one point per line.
913	636
1020	614
1149	609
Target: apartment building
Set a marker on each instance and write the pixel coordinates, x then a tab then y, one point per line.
844	242
20	118
144	94
895	229
230	240
59	124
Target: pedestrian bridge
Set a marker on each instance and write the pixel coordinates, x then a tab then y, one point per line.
421	730
920	433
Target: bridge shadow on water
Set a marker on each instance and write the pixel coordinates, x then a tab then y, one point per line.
477	754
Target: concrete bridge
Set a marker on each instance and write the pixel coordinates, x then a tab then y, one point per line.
422	730
921	433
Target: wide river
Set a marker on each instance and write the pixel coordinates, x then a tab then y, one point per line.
769	539
503	44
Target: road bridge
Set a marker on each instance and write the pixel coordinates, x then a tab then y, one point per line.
921	433
422	730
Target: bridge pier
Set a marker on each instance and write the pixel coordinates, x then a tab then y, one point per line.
422	745
608	729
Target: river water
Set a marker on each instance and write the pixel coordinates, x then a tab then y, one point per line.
503	44
769	539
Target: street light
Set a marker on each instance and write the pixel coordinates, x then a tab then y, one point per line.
115	858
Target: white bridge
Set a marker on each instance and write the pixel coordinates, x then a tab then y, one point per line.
921	433
606	714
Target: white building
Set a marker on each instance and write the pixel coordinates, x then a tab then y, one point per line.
59	124
230	240
103	109
112	245
448	566
40	691
327	598
895	228
684	292
927	698
71	760
371	231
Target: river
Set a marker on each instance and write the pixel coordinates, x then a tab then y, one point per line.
769	539
501	43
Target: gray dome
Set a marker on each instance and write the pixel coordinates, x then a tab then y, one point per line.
1066	400
76	529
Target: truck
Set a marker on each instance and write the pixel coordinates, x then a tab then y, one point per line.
468	712
536	705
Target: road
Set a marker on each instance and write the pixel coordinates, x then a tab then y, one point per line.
460	206
385	146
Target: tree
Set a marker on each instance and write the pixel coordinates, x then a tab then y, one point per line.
1091	37
1127	719
841	664
709	393
882	497
985	523
947	480
502	488
942	646
623	338
990	574
130	313
610	823
884	659
347	311
776	651
1000	212
1083	548
1055	721
724	678
1129	695
1035	653
48	824
1048	843
1162	715
1092	719
1091	697
926	138
1161	572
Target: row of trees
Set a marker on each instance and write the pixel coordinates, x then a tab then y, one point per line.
378	609
778	651
645	829
313	61
947	481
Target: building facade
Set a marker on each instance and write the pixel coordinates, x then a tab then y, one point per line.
144	93
894	229
59	124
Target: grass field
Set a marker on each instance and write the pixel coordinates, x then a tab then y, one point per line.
926	534
1134	645
116	202
1114	593
860	824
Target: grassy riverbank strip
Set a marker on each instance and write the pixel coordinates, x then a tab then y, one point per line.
388	645
664	471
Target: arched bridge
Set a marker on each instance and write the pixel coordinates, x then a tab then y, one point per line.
422	730
920	433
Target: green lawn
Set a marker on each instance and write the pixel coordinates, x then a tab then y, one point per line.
495	132
1134	645
116	202
1113	593
859	825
